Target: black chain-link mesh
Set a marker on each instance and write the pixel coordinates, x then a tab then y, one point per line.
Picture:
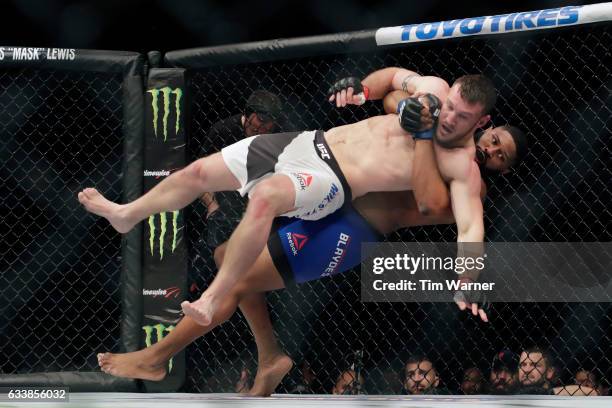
555	84
59	132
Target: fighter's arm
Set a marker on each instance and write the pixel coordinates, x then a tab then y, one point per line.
430	190
392	99
386	80
468	211
442	217
467	206
379	83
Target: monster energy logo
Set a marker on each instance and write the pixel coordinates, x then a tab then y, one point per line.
159	330
165	92
163	229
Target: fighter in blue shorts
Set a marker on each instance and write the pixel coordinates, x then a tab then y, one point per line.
309	250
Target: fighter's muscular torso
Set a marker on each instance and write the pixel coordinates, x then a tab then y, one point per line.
374	154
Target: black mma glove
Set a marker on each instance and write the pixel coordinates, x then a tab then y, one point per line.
359	90
411	118
474	296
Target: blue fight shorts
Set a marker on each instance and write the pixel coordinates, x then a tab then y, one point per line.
308	250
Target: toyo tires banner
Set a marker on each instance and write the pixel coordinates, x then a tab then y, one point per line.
499	24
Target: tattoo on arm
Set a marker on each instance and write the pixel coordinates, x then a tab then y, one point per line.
407	80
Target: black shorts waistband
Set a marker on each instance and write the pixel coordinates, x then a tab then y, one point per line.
325	153
279	257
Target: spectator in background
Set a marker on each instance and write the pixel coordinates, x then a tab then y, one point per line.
387	382
261	114
421	377
346	384
503	378
555	380
585	377
603	388
473	382
535	371
308	382
588	383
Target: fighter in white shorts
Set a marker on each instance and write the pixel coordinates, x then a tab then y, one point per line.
305	157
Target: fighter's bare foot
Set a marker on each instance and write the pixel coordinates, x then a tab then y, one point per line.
130	365
269	375
201	311
96	203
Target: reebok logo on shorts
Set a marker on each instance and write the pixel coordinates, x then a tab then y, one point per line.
296	242
304	179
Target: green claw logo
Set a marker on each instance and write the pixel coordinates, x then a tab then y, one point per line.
166	96
159	329
163	228
166	92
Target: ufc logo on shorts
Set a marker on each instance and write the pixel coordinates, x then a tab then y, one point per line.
323	150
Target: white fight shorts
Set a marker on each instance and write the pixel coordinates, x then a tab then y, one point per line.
305	157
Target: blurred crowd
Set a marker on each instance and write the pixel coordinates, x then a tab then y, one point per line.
533	371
